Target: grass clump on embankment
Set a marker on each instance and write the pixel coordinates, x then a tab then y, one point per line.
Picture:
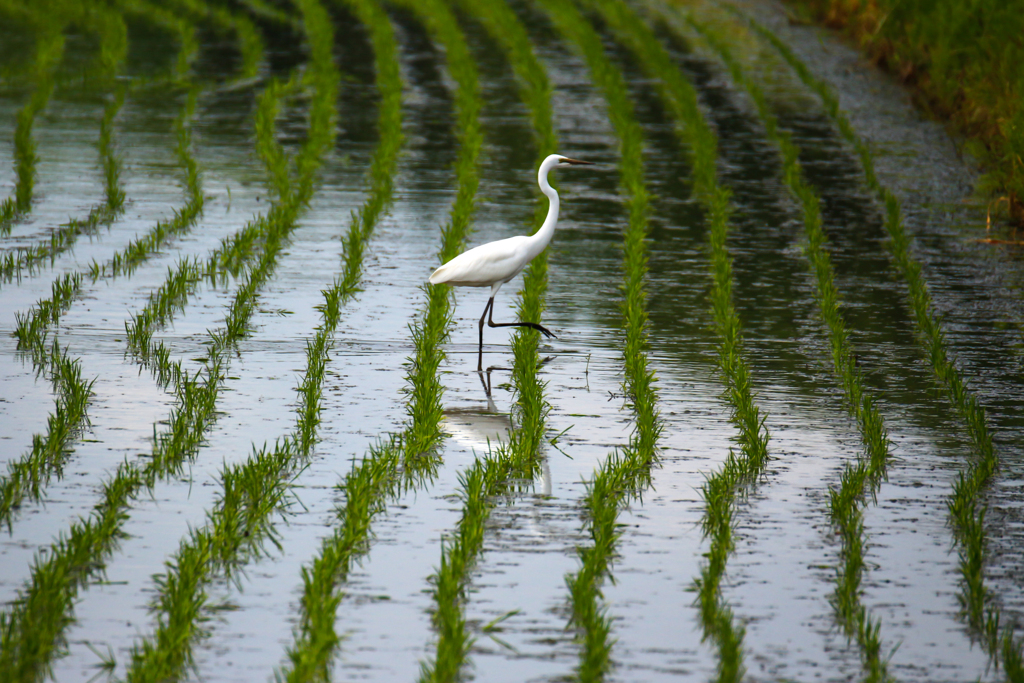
721	489
967	510
863	478
965	58
378	475
624	475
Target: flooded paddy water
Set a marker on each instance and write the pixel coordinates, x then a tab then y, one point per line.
109	609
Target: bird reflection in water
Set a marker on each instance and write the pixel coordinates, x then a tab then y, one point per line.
479	427
482	428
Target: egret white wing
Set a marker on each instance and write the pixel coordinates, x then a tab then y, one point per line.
485	265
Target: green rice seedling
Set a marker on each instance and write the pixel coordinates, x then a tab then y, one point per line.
863	478
626	474
967	512
479	485
113	34
63	238
518	458
257	237
49	51
114	193
14	264
366	489
32	630
224	21
268	12
531	409
31	327
721	488
52	449
181	26
113	50
255	491
139	250
422	433
378	475
26	476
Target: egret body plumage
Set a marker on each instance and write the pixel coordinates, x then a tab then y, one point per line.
495	263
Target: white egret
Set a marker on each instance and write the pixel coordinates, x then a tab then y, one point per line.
494	264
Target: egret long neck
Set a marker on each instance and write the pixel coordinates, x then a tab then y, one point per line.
541	238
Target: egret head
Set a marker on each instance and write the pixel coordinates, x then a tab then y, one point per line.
551	162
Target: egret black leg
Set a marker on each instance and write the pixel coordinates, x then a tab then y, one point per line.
480	354
491	323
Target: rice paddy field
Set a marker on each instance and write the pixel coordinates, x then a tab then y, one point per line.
777	438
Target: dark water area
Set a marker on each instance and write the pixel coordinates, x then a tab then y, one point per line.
781	576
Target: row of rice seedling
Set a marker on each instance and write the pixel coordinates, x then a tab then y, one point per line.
478	486
863	478
269	13
49	51
410	455
113	52
515	459
625	474
72	390
236	252
529	405
32	630
253	492
34	627
138	250
967	512
27	477
424	408
64	237
720	490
